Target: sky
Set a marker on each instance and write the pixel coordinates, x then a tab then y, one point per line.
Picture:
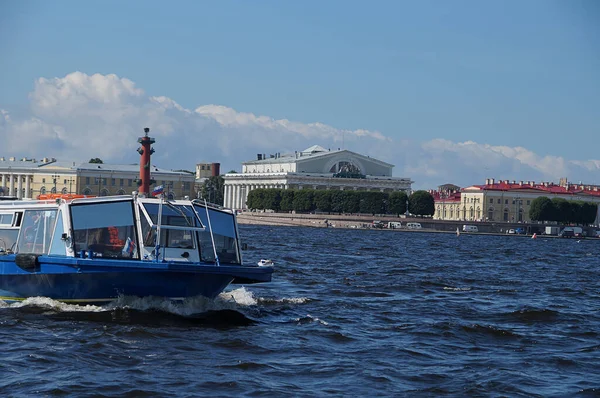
447	91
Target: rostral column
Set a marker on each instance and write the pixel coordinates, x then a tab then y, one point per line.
145	151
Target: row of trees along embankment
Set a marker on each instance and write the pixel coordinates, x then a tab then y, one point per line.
563	211
329	201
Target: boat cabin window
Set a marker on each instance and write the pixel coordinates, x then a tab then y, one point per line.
224	233
176	215
36	231
8	239
58	245
6	219
106	229
9	230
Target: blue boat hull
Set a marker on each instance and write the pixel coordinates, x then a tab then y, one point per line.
96	280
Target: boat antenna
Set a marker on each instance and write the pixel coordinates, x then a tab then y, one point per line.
212	238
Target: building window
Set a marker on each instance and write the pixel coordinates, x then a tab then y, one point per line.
492	201
528	202
505	201
499	201
87	180
113	181
121	182
505	215
43	180
129	182
490	214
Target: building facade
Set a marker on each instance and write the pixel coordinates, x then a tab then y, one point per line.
506	201
28	178
206	170
313	168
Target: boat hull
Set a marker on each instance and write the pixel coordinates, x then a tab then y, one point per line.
96	280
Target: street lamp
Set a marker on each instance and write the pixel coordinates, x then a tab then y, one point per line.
99	181
70	184
55	177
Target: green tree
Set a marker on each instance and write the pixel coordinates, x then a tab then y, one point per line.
562	210
255	199
397	203
542	209
421	203
272	199
95	160
337	201
287	200
303	200
373	202
213	190
322	200
576	212
589	210
351	201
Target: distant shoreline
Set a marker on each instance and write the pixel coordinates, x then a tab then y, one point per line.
365	222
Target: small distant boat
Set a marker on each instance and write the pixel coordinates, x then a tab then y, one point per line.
457	231
534	236
265	263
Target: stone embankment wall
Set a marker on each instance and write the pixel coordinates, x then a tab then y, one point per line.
366	221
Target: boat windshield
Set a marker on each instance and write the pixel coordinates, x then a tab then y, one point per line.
224	232
173	215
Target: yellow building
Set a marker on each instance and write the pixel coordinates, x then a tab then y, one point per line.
505	200
28	178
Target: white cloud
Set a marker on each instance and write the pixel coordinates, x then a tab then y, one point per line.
78	117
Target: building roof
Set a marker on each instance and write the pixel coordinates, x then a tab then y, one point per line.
314	149
52	165
313	152
445	196
540	188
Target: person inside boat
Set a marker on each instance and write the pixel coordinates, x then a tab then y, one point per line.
32	229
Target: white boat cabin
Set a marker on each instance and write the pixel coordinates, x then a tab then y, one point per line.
121	227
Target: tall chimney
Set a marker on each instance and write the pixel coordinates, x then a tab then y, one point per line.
216	169
145	151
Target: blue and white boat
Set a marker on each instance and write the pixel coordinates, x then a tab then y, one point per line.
93	250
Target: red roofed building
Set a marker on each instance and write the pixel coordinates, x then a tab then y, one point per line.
506	200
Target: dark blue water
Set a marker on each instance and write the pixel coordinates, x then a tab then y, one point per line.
349	313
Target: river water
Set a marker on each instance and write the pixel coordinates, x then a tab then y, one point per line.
349	313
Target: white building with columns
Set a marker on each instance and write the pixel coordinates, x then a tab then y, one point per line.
313	168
